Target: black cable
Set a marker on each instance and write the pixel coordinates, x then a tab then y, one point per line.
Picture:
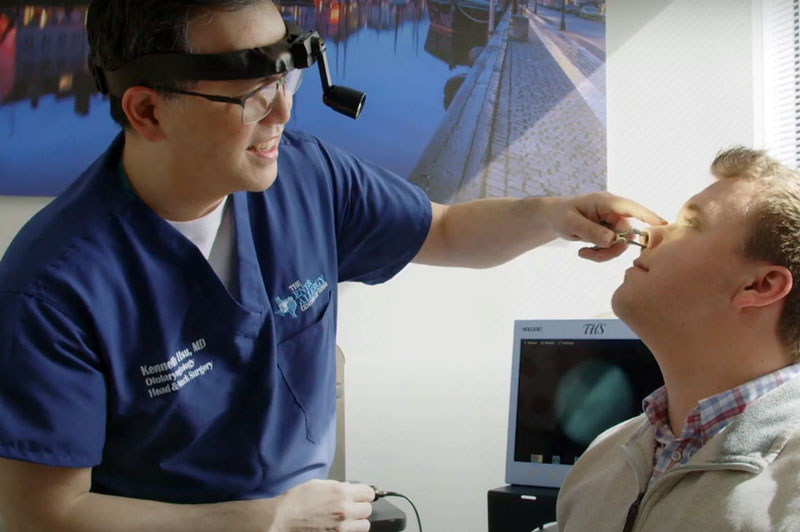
379	494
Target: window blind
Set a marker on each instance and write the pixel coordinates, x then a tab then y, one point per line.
781	45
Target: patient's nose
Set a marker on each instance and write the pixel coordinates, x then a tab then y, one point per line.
654	237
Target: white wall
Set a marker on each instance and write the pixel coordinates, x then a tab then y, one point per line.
428	355
14	212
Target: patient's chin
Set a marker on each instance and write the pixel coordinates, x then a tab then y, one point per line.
622	304
633	311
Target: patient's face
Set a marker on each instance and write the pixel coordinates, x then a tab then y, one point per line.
691	268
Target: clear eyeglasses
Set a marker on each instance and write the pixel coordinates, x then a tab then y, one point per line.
257	103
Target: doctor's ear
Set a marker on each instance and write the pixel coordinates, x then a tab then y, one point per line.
141	106
771	284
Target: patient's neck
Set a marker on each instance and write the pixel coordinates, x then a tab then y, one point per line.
695	370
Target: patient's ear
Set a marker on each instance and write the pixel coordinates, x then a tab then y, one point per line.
770	284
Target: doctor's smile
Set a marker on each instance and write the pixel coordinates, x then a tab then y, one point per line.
265	150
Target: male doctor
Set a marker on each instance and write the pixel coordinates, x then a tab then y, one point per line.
167	324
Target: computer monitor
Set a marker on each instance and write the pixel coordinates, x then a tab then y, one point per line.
570	381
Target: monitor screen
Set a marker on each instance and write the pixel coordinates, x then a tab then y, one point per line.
572	380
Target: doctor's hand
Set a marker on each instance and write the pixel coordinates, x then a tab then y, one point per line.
580	218
324	505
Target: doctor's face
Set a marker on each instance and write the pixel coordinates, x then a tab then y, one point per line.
210	146
687	275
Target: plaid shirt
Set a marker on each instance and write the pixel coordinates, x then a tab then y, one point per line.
710	416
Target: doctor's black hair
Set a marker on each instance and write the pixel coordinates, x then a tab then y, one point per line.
122	30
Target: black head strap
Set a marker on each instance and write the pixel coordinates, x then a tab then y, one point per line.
293	51
299	49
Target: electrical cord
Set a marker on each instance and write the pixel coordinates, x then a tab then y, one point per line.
380	494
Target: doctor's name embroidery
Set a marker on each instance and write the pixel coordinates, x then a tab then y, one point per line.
175	373
302	295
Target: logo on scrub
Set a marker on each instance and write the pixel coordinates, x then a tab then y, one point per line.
286	306
303	295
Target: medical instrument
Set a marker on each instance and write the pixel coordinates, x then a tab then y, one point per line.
631	236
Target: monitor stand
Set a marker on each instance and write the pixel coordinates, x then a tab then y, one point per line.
521	508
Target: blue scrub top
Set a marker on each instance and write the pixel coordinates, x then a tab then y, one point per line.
121	350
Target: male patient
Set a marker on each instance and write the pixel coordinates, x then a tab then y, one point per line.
715	297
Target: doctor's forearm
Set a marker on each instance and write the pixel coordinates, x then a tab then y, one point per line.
254	515
486	233
100	513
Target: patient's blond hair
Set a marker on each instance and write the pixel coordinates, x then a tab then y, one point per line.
774	220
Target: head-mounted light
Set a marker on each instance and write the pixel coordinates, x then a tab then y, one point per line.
299	49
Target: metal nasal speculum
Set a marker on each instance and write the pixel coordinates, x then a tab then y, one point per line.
632	236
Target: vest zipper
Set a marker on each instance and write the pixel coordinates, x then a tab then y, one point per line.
633	511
